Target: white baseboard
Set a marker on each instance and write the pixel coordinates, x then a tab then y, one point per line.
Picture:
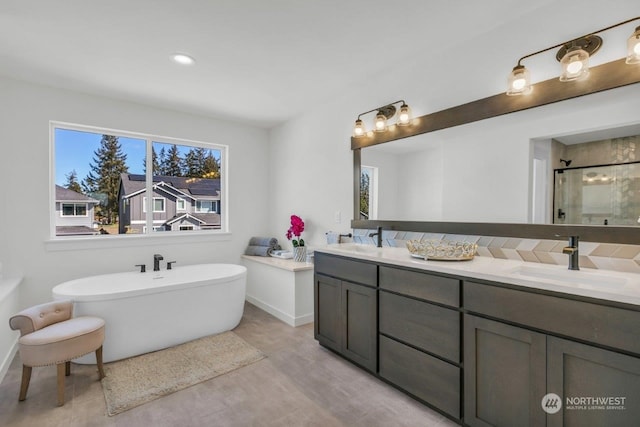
279	314
8	358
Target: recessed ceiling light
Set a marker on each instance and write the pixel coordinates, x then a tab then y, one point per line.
182	59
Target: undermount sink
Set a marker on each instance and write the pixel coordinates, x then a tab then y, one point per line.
355	247
576	277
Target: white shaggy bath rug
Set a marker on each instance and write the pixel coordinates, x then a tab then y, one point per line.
132	382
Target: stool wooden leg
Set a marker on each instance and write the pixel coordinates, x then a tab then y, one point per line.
67	368
99	362
61	372
26	377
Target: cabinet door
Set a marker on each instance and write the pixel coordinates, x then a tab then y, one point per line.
504	374
360	328
577	371
328	312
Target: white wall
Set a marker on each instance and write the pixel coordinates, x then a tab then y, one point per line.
314	148
387	184
421	194
26	110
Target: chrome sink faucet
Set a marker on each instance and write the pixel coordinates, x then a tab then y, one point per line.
156	262
378	233
572	251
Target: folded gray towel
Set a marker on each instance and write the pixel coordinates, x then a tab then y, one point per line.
258	250
270	242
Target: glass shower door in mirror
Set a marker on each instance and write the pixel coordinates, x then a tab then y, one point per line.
597	195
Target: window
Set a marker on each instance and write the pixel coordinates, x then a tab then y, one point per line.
186	227
368	192
205	206
158	204
109	169
74	209
189	173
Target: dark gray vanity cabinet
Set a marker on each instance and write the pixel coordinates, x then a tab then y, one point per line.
504	374
512	362
346	308
484	353
419	325
576	370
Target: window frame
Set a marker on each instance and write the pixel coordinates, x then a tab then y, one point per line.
164	204
184	204
214	206
118	240
75	209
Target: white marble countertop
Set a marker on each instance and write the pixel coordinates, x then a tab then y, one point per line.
600	284
284	264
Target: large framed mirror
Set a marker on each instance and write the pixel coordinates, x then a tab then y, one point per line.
502	174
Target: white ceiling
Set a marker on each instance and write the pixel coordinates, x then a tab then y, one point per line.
259	61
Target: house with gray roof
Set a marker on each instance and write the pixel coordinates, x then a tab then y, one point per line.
179	203
74	213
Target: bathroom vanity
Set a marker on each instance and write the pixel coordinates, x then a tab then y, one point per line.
483	341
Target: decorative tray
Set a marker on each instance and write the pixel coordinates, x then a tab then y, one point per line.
442	250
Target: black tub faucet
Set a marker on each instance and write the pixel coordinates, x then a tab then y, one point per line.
156	262
378	233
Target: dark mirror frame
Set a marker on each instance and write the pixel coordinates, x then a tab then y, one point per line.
603	77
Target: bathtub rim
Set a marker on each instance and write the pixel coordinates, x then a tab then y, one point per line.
174	287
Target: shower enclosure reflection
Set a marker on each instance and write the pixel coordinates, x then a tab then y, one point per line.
597	195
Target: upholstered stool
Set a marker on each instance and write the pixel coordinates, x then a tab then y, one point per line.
50	336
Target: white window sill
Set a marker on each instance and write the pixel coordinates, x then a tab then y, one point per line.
106	242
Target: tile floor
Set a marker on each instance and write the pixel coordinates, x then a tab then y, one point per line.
300	383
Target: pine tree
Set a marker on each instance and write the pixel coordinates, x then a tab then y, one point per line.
200	163
154	160
211	167
364	196
162	158
172	163
191	164
72	182
108	163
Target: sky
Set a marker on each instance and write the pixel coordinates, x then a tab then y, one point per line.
74	150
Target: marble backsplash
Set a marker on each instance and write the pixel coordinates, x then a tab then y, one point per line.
606	256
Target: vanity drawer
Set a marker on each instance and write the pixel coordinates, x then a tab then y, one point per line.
346	269
600	324
443	290
424	376
429	327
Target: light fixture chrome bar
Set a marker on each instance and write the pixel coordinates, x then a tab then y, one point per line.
384	113
578	38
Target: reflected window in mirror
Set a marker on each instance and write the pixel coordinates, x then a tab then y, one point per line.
368	192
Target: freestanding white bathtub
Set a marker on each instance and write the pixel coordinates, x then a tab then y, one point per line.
150	311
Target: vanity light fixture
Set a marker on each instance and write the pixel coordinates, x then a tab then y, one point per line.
574	59
383	114
633	48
